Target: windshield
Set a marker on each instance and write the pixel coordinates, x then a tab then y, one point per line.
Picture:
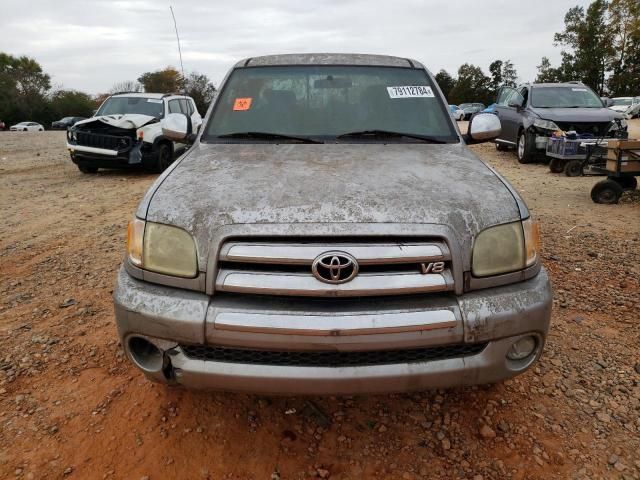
466	105
123	105
325	102
621	101
565	97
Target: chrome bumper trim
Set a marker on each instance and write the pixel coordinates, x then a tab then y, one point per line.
335	325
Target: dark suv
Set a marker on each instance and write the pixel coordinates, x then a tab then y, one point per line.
531	113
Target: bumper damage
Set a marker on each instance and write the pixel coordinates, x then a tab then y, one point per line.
161	326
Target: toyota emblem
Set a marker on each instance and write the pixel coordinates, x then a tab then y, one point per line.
335	267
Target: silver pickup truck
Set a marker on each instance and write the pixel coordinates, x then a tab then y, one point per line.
329	232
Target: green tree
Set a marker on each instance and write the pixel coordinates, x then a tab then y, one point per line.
71	103
472	86
446	82
503	73
495	69
588	43
201	89
126	86
23	89
624	21
509	74
168	80
547	73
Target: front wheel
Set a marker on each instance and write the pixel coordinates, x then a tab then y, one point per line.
163	158
87	169
606	192
573	168
556	165
525	148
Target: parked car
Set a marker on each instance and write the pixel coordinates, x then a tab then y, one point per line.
126	132
65	123
456	112
27	127
471	108
2	125
532	112
629	106
490	109
329	232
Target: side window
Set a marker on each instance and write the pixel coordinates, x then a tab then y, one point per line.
183	106
192	108
505	95
174	106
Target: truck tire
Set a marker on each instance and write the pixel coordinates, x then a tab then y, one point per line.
526	147
606	192
163	158
573	168
556	165
87	168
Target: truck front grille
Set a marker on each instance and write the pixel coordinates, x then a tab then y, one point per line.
329	358
100	140
285	268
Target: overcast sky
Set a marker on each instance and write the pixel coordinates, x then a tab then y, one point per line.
90	45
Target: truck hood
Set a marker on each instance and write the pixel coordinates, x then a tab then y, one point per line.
127	121
217	184
578	115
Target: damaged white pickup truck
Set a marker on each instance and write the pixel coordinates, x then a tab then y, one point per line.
126	132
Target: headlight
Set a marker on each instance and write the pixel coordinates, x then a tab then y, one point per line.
505	248
545	124
162	249
618	124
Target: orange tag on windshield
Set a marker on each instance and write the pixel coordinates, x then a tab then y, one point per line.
242	104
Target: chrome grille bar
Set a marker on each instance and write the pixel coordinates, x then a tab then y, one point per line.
284	267
305	253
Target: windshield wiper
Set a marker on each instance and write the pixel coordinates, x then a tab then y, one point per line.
267	135
388	133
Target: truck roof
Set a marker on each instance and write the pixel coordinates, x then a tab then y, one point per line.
328	59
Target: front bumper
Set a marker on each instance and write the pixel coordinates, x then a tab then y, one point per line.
169	317
106	158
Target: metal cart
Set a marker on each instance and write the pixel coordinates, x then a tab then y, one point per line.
577	157
622	167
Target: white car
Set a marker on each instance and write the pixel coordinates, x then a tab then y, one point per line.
456	112
126	132
27	127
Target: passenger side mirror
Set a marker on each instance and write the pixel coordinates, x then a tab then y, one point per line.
177	127
515	104
483	127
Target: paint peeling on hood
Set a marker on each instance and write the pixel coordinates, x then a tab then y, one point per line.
127	121
222	184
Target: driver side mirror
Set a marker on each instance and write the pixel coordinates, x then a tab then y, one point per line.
515	104
607	101
483	127
178	128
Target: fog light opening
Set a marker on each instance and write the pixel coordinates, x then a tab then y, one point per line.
523	348
145	354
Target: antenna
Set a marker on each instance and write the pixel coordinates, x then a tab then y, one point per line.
179	49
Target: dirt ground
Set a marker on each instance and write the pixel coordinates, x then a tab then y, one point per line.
71	406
